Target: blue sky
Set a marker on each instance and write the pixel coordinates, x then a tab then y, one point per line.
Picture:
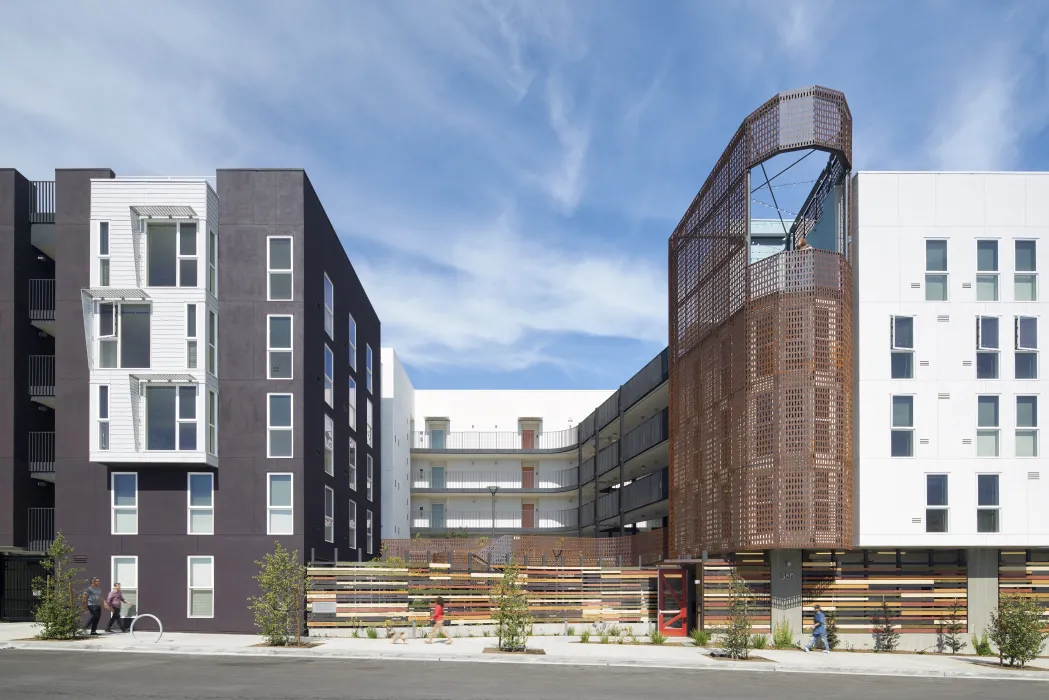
505	175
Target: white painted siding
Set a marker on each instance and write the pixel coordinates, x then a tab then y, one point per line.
896	213
111	201
500	410
398	400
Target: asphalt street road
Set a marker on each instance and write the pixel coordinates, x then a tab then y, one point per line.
26	675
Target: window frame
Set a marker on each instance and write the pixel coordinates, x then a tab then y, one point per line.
352	404
329	515
352	519
212	340
369	433
1020	350
329	309
118	327
270	270
351	463
190	508
113	507
191	335
104	259
329	379
179	257
212	409
945	507
270	349
124	588
996	429
997	507
179	420
368	358
270	427
982	349
1018	273
893	428
370	479
353	342
900	350
190	587
938	273
103	421
1032	430
270	507
212	283
370	532
994	274
329	445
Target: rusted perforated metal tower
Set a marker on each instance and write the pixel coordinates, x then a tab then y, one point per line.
761	354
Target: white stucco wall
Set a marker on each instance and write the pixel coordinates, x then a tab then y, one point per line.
497	410
398	399
895	214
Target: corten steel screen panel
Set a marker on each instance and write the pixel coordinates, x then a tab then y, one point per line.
743	473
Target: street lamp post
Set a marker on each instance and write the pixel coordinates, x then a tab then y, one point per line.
493	489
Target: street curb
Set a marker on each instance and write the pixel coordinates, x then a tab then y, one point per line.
707	664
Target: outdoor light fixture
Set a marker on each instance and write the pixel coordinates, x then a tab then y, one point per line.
493	489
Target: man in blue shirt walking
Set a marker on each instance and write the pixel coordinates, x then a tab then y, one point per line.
819	631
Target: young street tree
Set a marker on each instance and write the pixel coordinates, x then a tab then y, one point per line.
511	611
951	630
737	635
886	636
282	585
1016	629
58	612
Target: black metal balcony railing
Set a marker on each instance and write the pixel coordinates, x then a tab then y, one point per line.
42	201
507	479
652	375
586	471
504	519
645	436
645	491
608	505
586	427
41	529
41	375
41	300
494	441
607	411
586	514
41	452
608	458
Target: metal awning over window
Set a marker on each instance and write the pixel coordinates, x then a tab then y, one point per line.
164	378
111	294
164	212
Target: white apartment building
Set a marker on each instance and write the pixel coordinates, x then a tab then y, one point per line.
398	420
949	319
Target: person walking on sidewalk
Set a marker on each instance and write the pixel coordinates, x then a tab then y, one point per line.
91	599
819	631
114	601
438	621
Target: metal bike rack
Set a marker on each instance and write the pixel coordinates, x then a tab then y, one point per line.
136	618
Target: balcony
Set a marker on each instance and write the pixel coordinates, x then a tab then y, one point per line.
607	412
42	455
651	376
42	305
42	379
608	505
586	471
518	520
494	442
586	427
646	436
41	529
586	514
645	491
561	480
42	202
608	459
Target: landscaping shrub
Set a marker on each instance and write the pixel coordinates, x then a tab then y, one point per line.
584	636
982	646
59	613
735	635
783	635
604	639
832	631
570	631
657	638
700	637
949	631
372	633
759	641
282	582
886	636
1016	629
511	611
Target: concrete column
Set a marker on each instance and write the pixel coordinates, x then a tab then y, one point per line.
786	588
982	588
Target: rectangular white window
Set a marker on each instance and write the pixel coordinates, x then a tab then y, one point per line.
986	270
353	404
213	419
988	432
279	351
171	418
936	503
278	268
213	263
370	533
902	437
353	524
103	417
280	518
368	366
200	489
1026	426
171	254
329	514
213	342
329	446
191	336
369	433
124	570
103	253
201	575
353	344
329	307
329	376
352	463
123	488
1025	280
936	270
987	502
370	476
279	425
902	344
124	336
1026	356
987	347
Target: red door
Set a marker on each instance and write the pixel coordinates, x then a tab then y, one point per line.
528	477
527	515
673	606
527	439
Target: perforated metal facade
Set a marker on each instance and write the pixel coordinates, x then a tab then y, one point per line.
761	355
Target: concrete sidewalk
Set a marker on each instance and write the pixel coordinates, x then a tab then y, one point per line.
558	650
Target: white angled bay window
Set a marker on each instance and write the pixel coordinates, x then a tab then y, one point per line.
171	254
123	487
280	513
201	494
171	418
279	425
201	574
123	336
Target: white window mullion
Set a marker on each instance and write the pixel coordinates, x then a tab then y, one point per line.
191	336
280	509
200	495
200	575
103	417
123	488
